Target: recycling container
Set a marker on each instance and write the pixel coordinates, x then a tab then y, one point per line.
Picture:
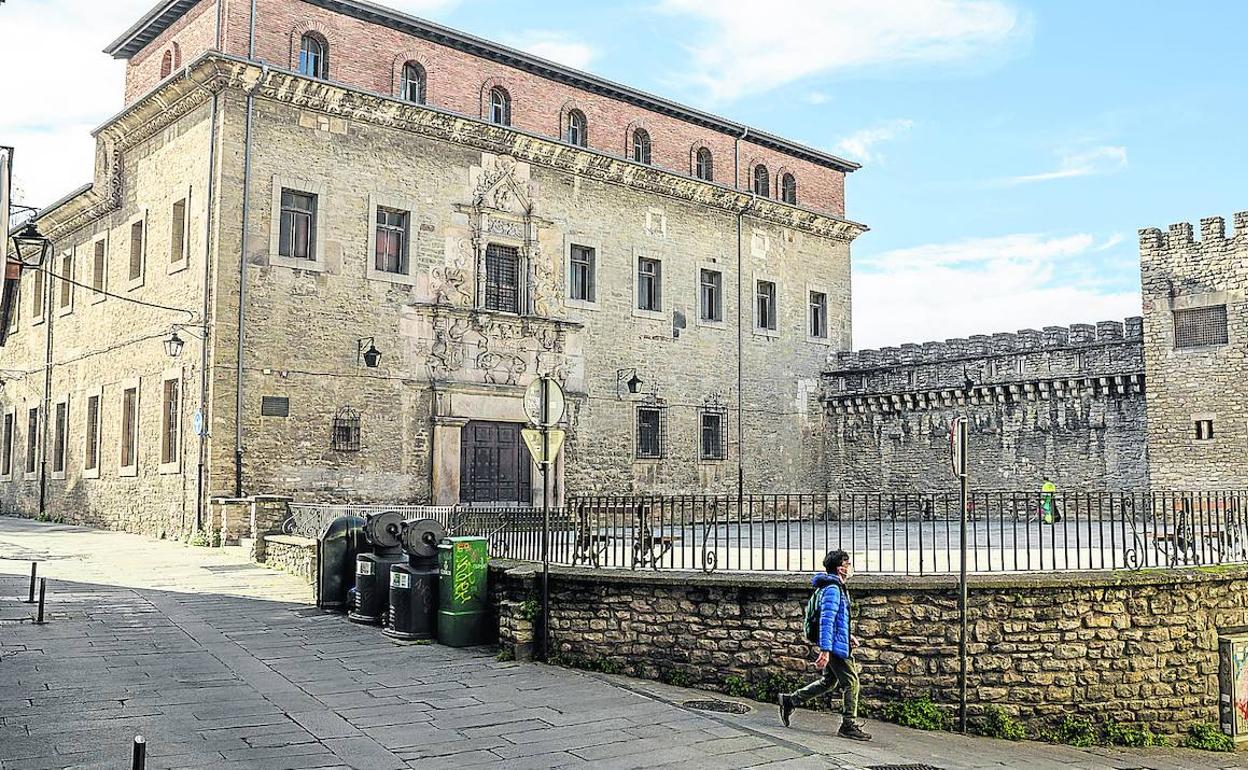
463	606
372	586
413	602
337	549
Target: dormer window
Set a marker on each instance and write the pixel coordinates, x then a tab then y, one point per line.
500	107
314	56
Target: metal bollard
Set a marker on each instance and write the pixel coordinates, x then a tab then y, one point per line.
140	753
34	567
43	585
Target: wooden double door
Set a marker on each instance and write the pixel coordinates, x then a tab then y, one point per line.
494	465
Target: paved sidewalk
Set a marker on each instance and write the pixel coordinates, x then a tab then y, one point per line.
225	664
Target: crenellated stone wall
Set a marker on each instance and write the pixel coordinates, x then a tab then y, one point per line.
1065	402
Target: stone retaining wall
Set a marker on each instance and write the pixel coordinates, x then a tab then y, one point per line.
1136	647
296	555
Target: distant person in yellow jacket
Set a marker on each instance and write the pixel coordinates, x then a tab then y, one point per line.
1048	502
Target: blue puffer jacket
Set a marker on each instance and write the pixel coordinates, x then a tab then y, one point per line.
833	615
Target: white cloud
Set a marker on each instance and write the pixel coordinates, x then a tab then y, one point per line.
1107	159
754	46
986	285
555	46
817	97
860	145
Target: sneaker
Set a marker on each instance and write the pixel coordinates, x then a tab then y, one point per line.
786	708
851	730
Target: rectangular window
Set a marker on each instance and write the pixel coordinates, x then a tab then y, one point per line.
392	234
650	432
36	295
169	423
15	314
6	457
649	284
97	267
67	275
129	427
177	233
714	443
711	294
818	315
136	250
32	439
59	428
297	236
765	317
502	278
1200	326
581	273
91	452
1204	430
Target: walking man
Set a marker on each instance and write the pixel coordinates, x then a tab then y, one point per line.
836	646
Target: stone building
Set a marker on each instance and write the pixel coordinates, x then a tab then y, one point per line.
1066	402
1195	344
294	191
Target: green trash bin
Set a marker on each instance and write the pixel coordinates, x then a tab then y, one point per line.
463	606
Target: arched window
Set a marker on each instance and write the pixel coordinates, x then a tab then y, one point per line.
788	189
762	182
413	86
704	167
166	64
500	106
313	56
576	132
641	146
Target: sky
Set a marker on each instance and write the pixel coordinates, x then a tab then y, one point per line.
1010	149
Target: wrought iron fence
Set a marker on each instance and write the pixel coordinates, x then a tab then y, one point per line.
902	533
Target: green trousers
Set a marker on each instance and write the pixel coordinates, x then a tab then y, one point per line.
840	672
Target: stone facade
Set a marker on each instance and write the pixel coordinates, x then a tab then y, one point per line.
1138	647
296	555
447	360
369	45
1203	376
1066	402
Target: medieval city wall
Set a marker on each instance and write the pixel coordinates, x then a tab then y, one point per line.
1066	402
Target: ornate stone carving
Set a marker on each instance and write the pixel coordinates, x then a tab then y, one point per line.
450	282
448	351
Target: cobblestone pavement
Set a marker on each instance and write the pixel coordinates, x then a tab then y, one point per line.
224	664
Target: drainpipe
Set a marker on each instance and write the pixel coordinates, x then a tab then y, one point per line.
207	309
251	33
242	288
49	316
736	183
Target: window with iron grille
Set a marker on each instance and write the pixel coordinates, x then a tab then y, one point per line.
502	278
704	167
788	189
712	295
136	250
91	452
641	146
766	305
651	432
818	314
297	238
714	433
6	460
392	234
649	284
413	86
169	423
345	435
1200	326
762	181
59	428
32	439
581	271
313	57
1204	430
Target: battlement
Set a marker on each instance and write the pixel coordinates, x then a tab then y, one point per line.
983	346
1180	236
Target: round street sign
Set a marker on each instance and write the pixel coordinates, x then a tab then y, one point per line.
543	402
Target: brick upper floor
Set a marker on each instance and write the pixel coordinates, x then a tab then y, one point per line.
369	47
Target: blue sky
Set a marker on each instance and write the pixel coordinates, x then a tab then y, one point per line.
1011	149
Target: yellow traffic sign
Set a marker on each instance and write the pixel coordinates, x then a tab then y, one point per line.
543	455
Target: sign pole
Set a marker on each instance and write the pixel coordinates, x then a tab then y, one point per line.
545	412
960	439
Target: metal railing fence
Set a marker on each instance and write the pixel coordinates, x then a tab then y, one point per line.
890	533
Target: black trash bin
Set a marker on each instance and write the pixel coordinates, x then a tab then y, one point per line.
372	570
414	586
336	551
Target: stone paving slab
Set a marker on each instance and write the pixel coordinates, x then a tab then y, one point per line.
224	665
